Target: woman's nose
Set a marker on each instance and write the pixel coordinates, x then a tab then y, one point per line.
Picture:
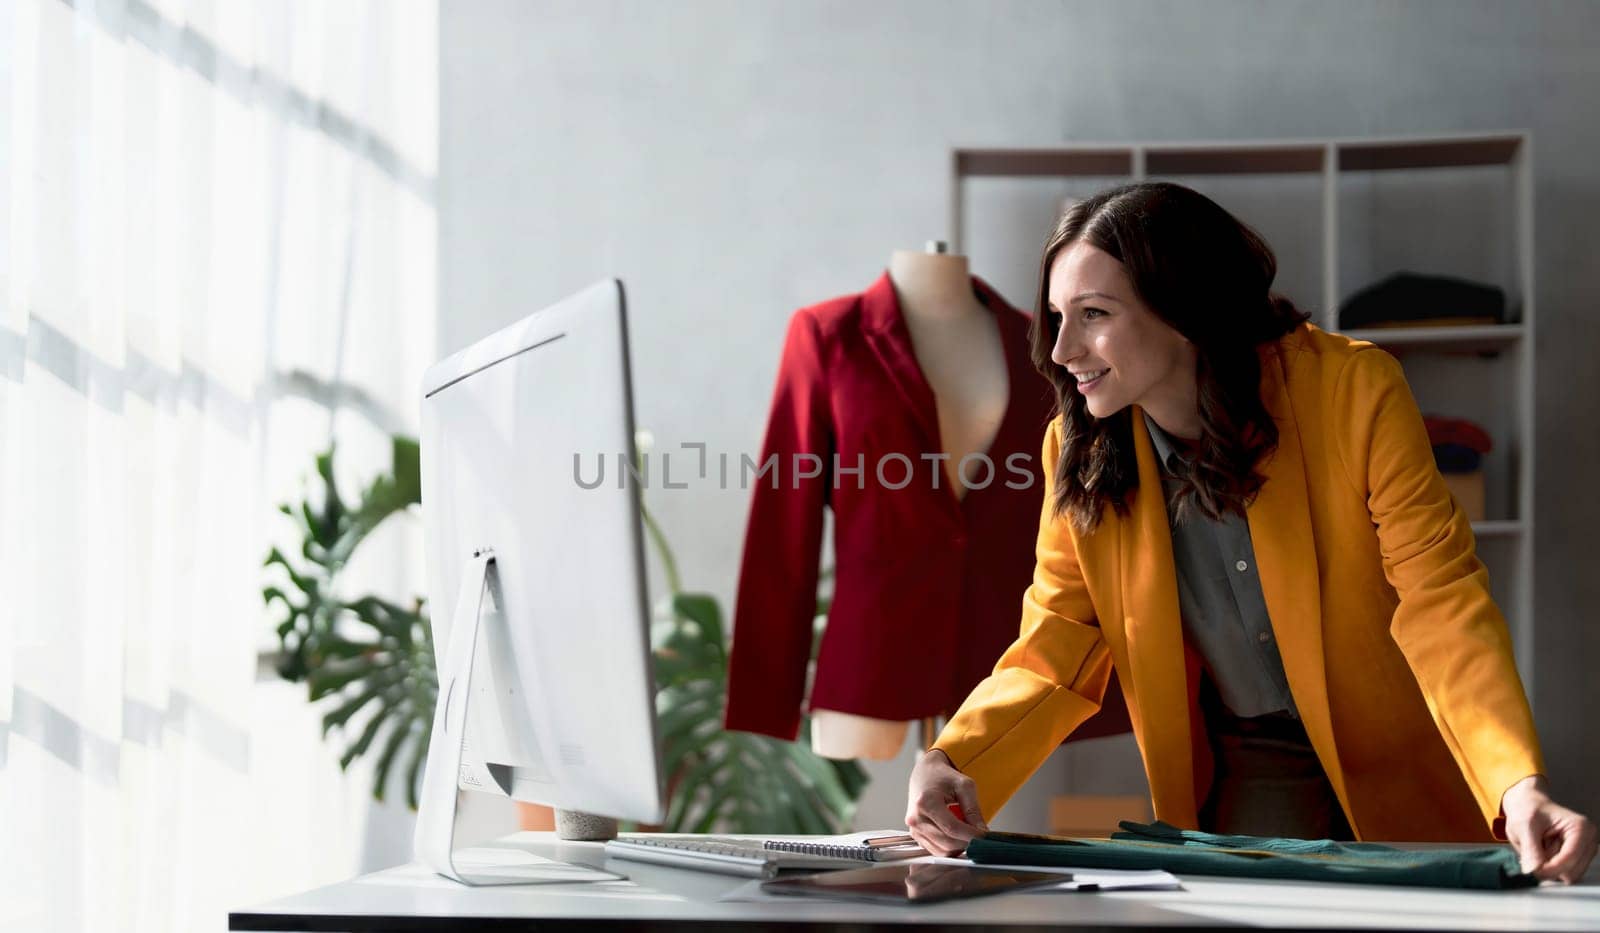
1066	348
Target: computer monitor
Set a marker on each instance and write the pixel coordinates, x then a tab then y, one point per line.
537	584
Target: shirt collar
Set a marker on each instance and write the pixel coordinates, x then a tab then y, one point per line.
1167	448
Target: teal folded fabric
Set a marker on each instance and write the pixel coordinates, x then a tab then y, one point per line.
1159	845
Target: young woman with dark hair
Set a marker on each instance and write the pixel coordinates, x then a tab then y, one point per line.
1243	517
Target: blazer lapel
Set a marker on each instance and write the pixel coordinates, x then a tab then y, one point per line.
886	333
1153	632
1281	533
1027	390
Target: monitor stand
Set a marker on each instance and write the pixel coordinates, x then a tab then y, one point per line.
434	842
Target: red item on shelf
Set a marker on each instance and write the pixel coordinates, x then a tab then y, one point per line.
1459	431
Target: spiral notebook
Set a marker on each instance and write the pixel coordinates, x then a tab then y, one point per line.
884	845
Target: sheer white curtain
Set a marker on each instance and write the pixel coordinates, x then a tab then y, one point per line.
216	221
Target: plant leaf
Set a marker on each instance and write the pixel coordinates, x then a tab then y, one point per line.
359	747
369	650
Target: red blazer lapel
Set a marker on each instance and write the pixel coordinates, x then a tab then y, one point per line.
1024	378
885	330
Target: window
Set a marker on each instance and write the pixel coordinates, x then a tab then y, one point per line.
217	253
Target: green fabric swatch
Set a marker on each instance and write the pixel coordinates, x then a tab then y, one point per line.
1159	845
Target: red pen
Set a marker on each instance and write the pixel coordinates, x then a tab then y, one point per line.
955	809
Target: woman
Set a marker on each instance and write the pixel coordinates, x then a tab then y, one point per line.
1242	515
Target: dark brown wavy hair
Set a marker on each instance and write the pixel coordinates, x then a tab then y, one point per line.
1209	277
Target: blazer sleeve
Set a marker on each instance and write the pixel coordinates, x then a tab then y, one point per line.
777	593
1447	625
1048	682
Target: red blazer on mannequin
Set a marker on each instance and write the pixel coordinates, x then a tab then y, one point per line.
928	587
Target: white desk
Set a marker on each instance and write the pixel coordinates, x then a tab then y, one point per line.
659	897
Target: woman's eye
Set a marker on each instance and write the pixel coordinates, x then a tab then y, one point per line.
1090	314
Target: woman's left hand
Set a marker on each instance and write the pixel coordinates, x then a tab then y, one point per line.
1552	842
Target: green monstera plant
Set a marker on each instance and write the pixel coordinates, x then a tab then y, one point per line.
357	654
371	662
732	781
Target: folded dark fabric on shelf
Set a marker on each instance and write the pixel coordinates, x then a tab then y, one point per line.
1160	845
1456	458
1407	297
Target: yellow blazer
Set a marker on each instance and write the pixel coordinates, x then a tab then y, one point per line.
1398	659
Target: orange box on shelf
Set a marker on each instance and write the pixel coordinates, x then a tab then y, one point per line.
1468	490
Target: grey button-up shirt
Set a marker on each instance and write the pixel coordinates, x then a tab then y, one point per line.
1219	597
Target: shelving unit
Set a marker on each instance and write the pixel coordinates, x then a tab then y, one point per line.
1489	338
1340	214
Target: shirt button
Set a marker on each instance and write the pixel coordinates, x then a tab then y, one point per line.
1241	566
1264	637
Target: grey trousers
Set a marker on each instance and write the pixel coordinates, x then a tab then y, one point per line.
1268	781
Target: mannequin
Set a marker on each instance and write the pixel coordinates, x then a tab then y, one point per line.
878	396
957	345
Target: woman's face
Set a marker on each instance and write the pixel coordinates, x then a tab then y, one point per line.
1116	348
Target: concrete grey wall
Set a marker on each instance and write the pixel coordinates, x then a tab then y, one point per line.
734	160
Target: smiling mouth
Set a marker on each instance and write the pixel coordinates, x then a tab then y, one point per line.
1088	380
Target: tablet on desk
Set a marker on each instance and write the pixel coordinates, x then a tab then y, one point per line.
920	883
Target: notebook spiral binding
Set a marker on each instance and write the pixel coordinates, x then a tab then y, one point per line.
859	853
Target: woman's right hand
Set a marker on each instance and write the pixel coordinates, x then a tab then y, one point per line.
935	785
